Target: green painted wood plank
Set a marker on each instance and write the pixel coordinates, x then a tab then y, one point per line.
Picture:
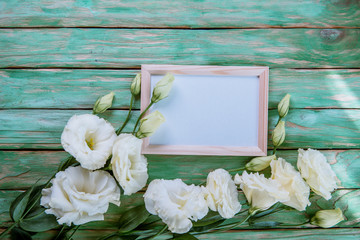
42	128
326	128
20	169
60	88
316	234
315	88
330	128
124	48
69	88
347	200
183	14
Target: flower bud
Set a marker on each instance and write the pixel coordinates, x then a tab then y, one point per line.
149	124
162	88
327	218
278	135
283	107
259	163
103	103
135	85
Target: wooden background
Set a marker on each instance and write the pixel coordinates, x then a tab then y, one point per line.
57	57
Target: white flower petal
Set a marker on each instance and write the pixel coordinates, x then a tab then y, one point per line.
261	192
175	203
78	196
82	130
292	182
221	193
317	172
128	165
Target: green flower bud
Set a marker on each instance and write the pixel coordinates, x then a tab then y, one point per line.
327	218
103	103
278	135
149	124
135	85
283	107
259	163
162	88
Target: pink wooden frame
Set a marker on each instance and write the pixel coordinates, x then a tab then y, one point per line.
261	72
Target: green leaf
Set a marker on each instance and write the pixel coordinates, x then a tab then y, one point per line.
209	226
210	218
39	223
133	218
266	224
67	163
186	236
18	206
18	233
268	211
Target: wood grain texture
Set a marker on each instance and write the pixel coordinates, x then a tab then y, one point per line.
20	169
331	128
41	129
45	130
59	88
128	48
79	88
316	234
180	14
347	200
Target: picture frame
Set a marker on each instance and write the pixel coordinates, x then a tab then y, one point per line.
211	110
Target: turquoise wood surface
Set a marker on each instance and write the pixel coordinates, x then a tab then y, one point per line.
57	57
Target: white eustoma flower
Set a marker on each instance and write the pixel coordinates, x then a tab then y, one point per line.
317	172
89	139
128	165
175	203
261	192
221	193
78	196
292	182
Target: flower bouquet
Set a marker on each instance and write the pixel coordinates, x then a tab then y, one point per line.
105	163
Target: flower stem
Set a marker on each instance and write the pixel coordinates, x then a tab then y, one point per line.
60	232
8	229
141	115
77	227
237	169
128	116
108	236
225	227
158	233
232	225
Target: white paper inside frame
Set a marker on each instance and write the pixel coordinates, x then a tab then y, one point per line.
209	110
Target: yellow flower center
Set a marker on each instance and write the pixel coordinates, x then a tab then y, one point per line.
90	143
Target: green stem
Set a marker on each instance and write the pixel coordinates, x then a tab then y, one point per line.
61	231
141	115
274	151
159	232
128	116
232	225
237	169
8	229
108	236
225	227
77	227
